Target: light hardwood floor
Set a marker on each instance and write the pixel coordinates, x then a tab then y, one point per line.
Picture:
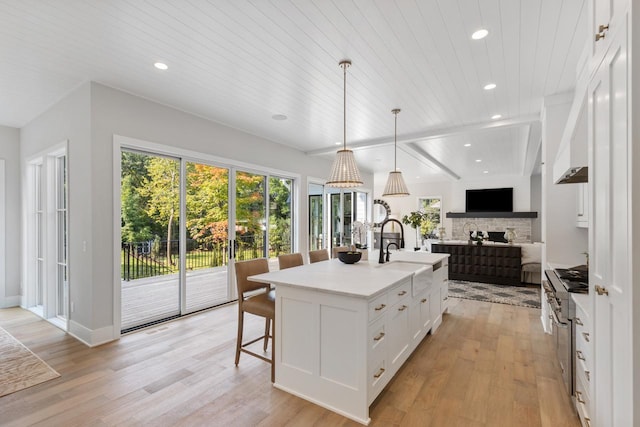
487	365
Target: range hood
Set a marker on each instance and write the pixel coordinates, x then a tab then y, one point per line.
570	165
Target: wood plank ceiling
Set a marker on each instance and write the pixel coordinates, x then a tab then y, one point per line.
241	62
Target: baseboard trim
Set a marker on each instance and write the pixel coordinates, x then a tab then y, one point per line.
91	337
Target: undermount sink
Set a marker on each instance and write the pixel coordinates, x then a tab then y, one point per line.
402	265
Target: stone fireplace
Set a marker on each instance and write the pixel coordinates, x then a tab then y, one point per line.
522	227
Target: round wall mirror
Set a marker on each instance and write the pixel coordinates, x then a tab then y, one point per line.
381	212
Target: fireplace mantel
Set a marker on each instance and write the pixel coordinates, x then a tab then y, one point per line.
492	214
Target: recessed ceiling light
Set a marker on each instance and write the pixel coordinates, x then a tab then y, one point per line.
496	116
478	160
485	171
480	34
161	66
279	117
489	86
467	145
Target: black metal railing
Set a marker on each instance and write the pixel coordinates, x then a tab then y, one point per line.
148	259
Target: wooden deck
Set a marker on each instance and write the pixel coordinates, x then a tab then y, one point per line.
155	298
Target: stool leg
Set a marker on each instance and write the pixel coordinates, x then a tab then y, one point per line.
239	340
266	332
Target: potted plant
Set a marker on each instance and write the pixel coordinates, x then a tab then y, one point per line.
415	219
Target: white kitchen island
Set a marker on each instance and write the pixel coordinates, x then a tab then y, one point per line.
342	331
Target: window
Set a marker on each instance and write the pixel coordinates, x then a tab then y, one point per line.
432	206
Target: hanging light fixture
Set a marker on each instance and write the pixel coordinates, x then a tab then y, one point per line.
344	172
395	183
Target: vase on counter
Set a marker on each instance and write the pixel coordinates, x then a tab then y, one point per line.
510	235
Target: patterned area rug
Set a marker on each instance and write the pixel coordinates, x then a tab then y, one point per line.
19	367
525	296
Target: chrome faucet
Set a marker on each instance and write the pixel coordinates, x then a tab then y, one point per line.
382	249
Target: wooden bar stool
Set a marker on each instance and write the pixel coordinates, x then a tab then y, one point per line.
259	304
290	260
319	255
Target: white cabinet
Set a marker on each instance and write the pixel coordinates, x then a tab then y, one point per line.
439	293
583	359
582	206
605	16
610	248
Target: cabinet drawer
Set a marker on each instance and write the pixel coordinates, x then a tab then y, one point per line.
582	401
399	292
377	378
378	306
377	338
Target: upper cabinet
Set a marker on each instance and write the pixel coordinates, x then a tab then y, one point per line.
604	15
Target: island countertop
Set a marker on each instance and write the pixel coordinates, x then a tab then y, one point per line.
364	279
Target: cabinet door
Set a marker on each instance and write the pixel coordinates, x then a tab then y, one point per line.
609	243
419	318
582	206
434	307
398	327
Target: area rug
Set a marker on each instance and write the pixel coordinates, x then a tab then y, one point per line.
20	368
524	296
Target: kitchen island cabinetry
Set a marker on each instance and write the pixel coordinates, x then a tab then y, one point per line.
343	331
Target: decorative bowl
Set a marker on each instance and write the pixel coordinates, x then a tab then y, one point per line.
349	257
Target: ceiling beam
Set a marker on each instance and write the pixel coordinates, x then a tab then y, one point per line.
433	134
420	154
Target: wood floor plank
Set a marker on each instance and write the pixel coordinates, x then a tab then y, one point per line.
487	365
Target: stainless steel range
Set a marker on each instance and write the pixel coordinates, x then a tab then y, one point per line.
558	287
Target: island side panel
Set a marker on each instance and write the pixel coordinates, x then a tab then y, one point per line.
321	349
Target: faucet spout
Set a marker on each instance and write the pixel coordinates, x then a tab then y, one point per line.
388	254
381	259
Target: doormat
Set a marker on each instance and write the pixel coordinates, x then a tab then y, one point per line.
20	368
524	296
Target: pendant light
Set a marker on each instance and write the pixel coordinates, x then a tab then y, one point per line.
344	173
395	183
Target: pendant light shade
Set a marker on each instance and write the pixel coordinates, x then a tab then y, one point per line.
344	173
395	183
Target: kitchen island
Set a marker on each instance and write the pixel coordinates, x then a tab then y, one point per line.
343	331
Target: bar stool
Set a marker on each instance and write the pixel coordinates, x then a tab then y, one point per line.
290	260
319	255
261	304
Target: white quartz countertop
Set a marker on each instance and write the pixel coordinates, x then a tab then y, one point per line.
418	257
363	279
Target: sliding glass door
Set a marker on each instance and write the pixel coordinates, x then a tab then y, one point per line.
150	256
184	223
207	236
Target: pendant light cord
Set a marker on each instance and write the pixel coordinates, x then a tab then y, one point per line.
395	111
344	98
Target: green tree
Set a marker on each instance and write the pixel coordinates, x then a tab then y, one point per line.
280	214
161	188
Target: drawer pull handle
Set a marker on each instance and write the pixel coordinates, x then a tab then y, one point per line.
588	374
380	307
445	298
599	36
423	300
401	293
579	397
601	28
601	290
379	337
402	308
586	336
579	322
580	355
379	373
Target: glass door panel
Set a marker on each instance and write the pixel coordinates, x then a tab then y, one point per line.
280	220
207	225
316	223
250	216
150	267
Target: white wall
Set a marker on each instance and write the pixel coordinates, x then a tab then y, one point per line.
453	195
9	217
564	242
536	206
89	118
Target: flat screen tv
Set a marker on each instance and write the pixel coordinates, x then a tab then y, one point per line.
490	200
